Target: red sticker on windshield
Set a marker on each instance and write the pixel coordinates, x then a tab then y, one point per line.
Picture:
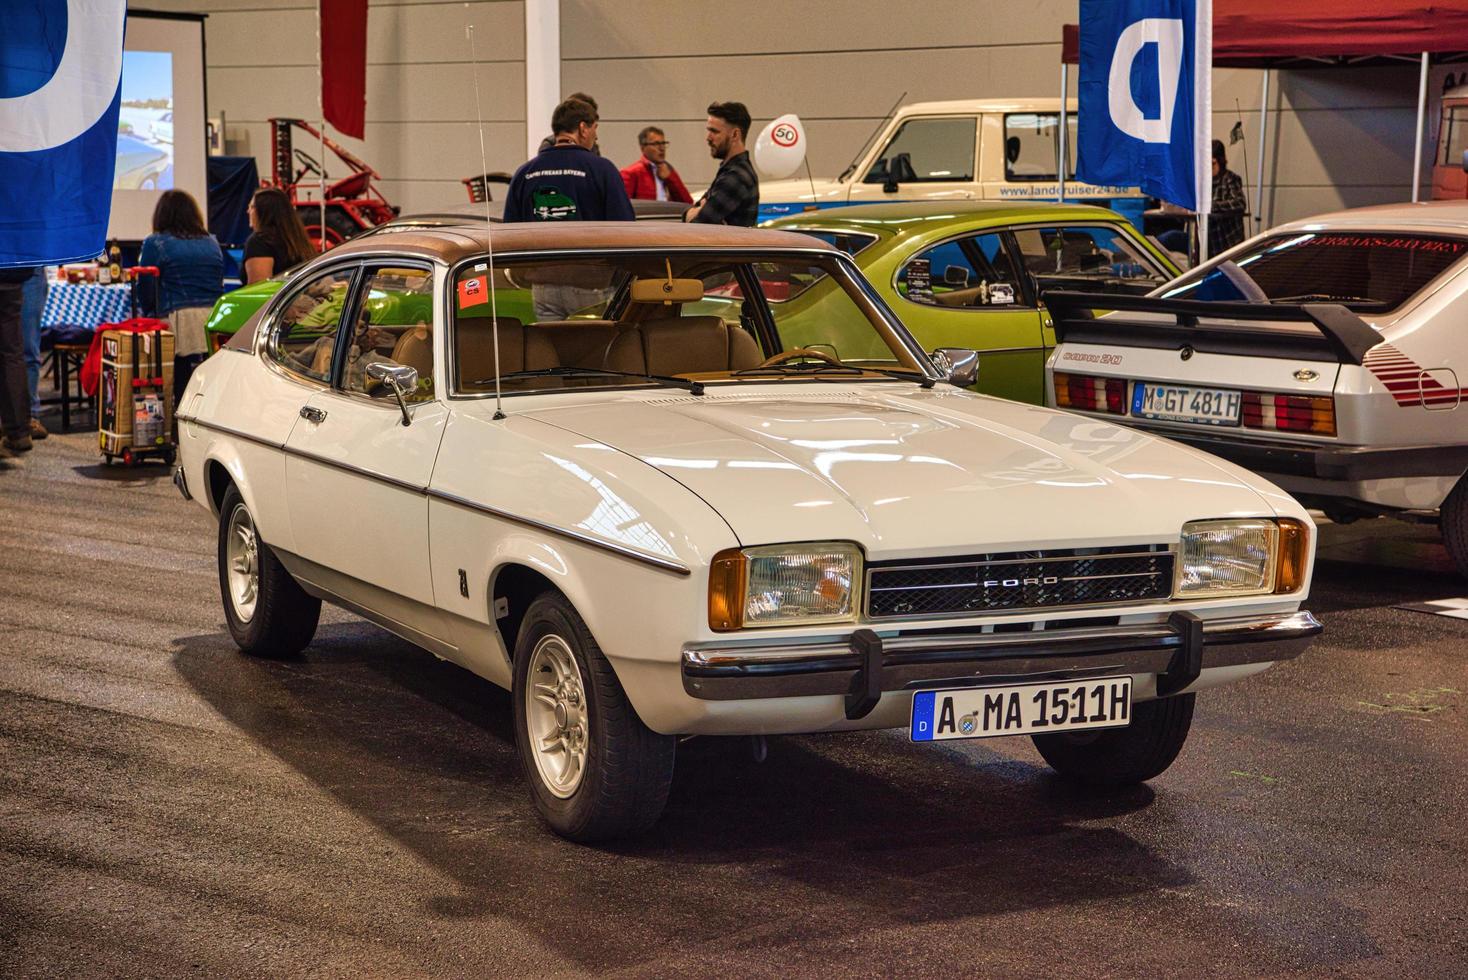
472	292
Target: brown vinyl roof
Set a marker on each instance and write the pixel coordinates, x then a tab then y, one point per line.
451	243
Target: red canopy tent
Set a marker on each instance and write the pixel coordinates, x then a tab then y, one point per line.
1312	33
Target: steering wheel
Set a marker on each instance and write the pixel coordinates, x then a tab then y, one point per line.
309	164
799	352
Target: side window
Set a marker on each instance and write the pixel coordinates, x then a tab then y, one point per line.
1030	141
1095	252
394	325
926	150
977	271
304	336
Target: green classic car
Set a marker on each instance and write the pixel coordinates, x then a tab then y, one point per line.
973	273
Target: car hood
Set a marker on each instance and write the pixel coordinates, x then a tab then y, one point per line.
916	472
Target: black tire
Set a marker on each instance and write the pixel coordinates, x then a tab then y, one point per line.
284	617
623	784
1118	757
1453	525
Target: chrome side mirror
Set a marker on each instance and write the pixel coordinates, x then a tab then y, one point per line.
959	365
399	377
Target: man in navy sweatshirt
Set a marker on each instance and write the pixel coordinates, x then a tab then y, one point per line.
568	182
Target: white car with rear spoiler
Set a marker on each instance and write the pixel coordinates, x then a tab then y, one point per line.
1325	355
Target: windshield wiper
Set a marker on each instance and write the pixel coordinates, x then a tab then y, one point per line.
1327	298
696	387
821	367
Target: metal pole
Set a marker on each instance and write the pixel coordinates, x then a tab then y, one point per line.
321	141
1064	129
1421	121
1259	162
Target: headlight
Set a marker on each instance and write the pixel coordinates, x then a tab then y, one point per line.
1241	557
787	584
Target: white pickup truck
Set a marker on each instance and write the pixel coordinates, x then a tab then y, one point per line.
966	149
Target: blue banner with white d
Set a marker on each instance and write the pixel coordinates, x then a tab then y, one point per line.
1145	97
60	85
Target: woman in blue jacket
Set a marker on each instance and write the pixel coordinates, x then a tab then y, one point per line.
191	278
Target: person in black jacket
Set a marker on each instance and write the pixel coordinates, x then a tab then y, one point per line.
733	197
15	391
568	183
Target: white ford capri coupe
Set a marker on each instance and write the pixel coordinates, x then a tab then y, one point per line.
662	481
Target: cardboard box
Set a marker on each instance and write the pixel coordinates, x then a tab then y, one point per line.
134	367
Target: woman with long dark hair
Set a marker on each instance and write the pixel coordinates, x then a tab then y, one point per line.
191	277
279	240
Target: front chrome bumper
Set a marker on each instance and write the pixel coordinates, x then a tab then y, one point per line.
865	665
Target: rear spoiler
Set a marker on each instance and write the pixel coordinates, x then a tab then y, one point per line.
1344	337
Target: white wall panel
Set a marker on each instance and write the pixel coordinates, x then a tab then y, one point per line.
1339	137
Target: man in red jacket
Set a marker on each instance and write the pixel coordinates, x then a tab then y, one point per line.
651	178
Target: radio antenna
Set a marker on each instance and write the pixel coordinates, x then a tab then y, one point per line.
494	320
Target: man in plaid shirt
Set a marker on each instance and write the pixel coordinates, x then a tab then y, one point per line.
1226	220
733	197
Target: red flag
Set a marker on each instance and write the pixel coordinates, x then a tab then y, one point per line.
344	64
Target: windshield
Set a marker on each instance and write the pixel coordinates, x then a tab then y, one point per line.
640	318
1366	272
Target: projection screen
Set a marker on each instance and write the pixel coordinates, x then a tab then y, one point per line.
160	138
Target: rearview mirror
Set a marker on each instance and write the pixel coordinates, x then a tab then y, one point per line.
399	378
959	365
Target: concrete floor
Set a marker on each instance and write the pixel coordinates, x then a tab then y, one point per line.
169	807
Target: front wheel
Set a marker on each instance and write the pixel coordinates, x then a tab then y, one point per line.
267	611
595	770
1118	757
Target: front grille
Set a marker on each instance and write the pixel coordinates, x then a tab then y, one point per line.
1018	580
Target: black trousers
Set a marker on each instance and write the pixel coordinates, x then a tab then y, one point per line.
15	392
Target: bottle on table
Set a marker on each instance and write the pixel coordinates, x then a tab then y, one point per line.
114	262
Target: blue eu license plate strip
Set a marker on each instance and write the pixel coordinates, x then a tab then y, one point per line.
1021	709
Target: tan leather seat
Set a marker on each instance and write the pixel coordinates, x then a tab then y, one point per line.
578	343
682	345
521	349
415	349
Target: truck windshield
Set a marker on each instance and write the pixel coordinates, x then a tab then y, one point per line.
1371	272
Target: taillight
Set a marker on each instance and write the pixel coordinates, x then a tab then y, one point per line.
1090	394
1314	414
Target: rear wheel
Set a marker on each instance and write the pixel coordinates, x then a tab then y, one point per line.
1454	525
595	770
267	611
1118	757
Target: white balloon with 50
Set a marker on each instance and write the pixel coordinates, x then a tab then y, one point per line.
779	149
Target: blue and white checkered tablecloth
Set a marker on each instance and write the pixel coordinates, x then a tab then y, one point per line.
85	304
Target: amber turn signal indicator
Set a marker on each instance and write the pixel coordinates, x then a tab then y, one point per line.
727	574
1294	552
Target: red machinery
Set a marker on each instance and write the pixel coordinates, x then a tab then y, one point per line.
353	204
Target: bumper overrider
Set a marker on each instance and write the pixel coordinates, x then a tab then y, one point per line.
864	665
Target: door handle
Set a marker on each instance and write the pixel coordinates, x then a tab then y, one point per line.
311	414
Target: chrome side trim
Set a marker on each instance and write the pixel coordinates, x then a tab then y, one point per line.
382	478
226	430
667	564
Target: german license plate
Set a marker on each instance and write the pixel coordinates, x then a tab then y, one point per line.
1021	709
1176	403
